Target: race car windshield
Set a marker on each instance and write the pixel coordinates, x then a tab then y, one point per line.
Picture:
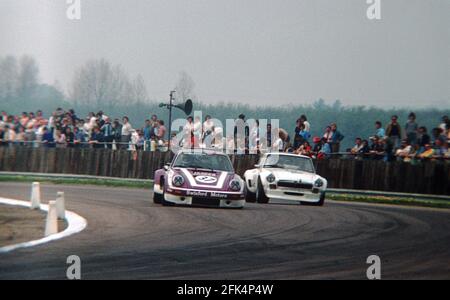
290	162
203	161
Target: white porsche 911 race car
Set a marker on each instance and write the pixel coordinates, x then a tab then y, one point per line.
285	176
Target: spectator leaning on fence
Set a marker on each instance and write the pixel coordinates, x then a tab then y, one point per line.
305	149
360	149
20	137
127	131
60	139
107	131
365	149
405	150
48	139
70	137
97	138
377	148
428	152
325	149
424	139
79	137
440	148
357	147
438	135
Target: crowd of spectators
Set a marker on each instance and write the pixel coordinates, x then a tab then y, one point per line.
408	143
62	129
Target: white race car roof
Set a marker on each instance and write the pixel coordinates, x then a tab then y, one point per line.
285	154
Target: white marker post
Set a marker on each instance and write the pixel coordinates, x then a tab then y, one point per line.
36	196
51	224
61	205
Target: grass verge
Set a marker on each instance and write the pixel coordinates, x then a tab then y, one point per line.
79	181
389	200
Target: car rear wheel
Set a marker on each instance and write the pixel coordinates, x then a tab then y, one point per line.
260	194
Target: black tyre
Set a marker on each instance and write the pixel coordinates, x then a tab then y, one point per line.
322	200
250	197
157	198
320	203
163	201
260	194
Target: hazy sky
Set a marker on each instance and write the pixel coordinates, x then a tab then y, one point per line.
254	51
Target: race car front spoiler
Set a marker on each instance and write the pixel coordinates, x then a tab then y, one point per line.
206	194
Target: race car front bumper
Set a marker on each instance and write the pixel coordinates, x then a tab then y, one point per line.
289	194
205	198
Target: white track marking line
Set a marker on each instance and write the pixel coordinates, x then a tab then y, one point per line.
75	222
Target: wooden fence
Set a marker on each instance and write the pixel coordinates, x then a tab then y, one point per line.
431	177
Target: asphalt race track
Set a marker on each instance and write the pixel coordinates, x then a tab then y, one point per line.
128	237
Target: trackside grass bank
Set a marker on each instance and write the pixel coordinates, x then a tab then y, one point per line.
390	200
79	181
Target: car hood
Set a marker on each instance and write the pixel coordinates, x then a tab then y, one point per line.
206	179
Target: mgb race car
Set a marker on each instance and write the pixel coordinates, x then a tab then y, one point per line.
199	177
285	177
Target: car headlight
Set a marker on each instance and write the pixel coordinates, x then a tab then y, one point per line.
270	178
235	185
178	180
319	183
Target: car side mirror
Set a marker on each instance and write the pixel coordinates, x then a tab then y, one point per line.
257	166
166	167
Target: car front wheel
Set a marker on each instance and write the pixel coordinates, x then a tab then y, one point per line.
320	203
260	194
163	200
157	198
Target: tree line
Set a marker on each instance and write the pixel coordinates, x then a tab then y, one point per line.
101	85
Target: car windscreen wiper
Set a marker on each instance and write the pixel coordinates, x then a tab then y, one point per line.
273	166
200	168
